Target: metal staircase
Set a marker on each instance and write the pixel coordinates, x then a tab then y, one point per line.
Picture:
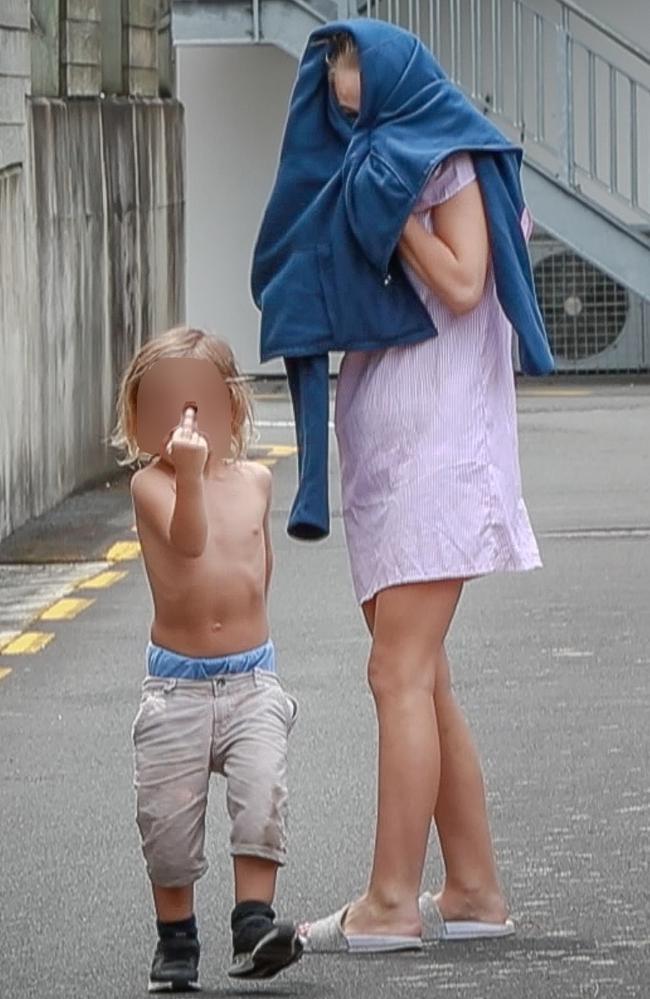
574	92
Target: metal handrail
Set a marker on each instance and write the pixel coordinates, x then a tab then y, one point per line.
605	29
571	103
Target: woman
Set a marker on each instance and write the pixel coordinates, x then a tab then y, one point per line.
431	498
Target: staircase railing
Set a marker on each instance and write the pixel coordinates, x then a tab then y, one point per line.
571	89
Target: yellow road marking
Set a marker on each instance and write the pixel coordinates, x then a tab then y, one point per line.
281	450
266	461
28	642
123	551
6	637
554	392
4	671
103	580
66	609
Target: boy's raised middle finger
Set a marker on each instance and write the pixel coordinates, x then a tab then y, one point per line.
188	421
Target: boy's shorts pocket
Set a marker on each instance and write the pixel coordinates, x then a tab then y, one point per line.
292	710
151	706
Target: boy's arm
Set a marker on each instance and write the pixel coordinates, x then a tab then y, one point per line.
179	520
187	529
267	480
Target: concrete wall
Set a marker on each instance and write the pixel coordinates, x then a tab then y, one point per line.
79	48
235	104
20	390
14	78
91	264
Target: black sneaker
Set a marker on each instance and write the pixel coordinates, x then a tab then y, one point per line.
261	947
175	965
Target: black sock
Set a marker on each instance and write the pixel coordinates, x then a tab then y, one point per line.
251	909
250	921
181	928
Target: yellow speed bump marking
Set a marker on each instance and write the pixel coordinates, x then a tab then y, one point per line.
4	671
123	551
28	642
103	580
66	609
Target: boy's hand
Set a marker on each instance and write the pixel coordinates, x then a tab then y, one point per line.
187	448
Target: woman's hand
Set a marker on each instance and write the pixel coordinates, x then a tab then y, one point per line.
453	260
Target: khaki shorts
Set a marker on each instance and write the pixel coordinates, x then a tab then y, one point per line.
184	731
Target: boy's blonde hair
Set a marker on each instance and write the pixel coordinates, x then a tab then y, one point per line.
182	341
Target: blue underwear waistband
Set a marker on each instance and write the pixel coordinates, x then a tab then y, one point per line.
165	663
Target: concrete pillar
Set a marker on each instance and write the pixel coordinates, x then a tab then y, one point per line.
45	48
14	79
81	48
111	46
140	47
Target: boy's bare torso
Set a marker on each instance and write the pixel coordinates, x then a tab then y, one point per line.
213	604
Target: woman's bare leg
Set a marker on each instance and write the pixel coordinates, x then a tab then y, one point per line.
410	625
471	889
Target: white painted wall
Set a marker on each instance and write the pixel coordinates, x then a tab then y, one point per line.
236	100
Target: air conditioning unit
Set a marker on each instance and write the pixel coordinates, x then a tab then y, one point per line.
594	323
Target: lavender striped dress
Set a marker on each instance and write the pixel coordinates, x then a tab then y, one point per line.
427	438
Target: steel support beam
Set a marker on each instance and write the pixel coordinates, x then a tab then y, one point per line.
622	251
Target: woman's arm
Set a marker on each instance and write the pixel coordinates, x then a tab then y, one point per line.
453	261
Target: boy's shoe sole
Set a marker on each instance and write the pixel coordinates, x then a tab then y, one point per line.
176	985
277	950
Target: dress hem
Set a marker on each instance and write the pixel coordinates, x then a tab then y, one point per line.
465	574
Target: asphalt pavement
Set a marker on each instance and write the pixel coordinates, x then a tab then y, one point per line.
552	667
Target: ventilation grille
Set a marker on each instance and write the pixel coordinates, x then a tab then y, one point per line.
584	310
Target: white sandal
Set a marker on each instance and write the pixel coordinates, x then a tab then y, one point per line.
326	936
434	927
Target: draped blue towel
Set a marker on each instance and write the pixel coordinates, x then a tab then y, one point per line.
325	272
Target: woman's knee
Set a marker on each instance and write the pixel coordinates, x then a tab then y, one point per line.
410	625
400	669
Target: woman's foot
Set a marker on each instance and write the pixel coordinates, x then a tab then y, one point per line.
330	935
471	905
365	917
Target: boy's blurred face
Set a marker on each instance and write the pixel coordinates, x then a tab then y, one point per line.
164	392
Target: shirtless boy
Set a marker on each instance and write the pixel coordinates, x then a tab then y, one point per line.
211	700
